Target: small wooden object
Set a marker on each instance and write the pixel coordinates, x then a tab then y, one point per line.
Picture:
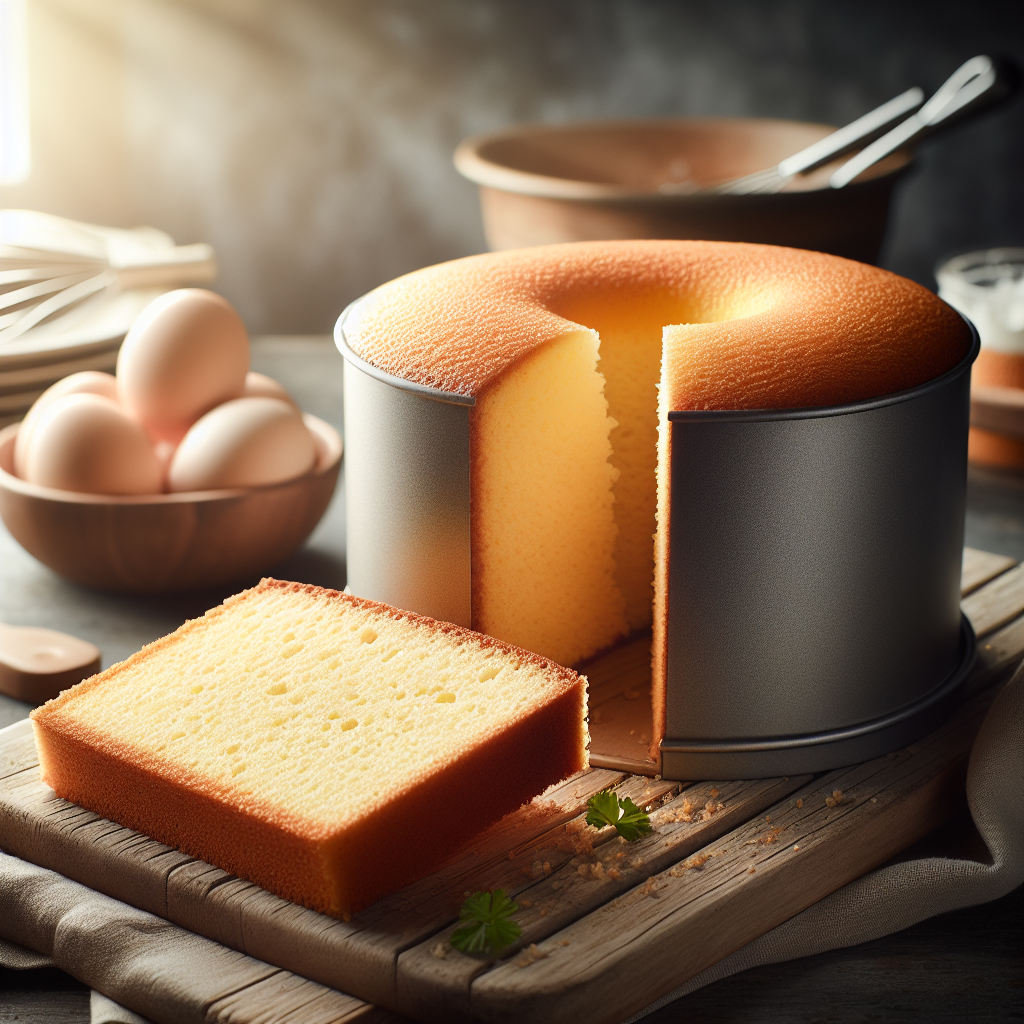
158	543
36	664
608	927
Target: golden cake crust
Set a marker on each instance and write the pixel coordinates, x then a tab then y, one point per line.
758	326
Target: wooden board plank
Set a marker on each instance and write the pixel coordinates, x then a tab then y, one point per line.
17	749
358	955
563	888
387	953
996	603
981	566
658	934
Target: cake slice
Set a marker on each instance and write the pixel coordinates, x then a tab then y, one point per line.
327	748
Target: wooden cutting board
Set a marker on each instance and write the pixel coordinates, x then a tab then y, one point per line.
607	926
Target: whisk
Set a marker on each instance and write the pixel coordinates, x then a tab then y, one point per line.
50	267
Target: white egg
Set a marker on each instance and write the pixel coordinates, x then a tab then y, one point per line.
246	442
85	442
87	382
187	352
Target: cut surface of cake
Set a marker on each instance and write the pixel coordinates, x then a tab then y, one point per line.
327	748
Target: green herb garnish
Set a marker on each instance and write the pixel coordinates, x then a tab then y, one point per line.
607	809
490	928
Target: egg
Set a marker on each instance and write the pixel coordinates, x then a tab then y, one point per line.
246	442
187	352
259	385
86	442
92	382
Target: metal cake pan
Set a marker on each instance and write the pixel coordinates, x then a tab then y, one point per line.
814	609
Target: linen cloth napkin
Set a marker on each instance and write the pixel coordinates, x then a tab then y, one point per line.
172	975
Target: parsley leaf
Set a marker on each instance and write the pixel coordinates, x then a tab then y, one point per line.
607	809
490	928
603	809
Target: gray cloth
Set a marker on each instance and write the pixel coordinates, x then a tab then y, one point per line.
105	1011
900	895
173	975
21	958
101	1009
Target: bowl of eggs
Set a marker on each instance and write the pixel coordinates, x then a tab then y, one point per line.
183	470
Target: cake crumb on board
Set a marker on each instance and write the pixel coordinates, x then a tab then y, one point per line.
531	955
690	812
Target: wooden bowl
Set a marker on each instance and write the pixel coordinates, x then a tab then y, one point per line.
607	179
159	543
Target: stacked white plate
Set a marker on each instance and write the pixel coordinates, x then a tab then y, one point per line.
69	292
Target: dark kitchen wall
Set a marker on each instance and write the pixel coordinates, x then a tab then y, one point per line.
310	141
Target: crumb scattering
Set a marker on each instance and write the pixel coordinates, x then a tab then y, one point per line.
578	838
835	799
694	863
440	950
799	803
751	871
531	955
690	812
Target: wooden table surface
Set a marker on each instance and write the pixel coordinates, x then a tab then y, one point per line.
962	966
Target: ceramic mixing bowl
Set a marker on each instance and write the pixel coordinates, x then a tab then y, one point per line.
629	179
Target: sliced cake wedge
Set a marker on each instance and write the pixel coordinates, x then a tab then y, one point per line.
329	749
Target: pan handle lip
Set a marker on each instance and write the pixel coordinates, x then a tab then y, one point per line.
849	408
423	390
